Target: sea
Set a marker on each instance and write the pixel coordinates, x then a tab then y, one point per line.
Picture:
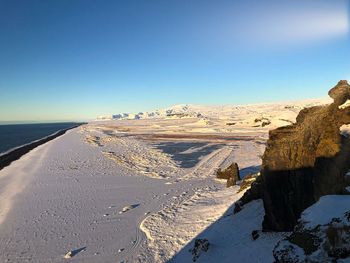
15	135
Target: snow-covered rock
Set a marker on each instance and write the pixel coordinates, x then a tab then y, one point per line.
282	113
322	234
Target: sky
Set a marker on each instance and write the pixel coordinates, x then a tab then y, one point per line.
76	60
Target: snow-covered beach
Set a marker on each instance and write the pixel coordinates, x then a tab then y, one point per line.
133	191
174	131
16	141
67	194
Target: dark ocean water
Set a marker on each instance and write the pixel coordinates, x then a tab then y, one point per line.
15	135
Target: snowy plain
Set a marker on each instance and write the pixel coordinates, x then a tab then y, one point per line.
69	194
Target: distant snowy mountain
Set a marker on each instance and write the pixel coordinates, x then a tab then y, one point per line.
276	114
177	111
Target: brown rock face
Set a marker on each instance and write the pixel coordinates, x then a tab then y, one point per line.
231	174
315	134
305	160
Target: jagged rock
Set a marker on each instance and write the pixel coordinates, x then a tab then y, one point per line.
247	181
288	253
230	182
230	123
255	234
303	162
231	174
315	241
199	246
238	207
265	123
340	93
253	193
230	171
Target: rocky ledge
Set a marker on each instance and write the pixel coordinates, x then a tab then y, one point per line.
321	235
303	162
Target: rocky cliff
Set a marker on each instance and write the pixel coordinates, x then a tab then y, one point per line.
304	161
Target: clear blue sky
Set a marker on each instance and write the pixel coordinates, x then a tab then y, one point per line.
73	60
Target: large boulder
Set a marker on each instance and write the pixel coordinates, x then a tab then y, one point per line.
303	162
231	174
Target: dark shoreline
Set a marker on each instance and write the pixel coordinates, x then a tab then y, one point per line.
15	154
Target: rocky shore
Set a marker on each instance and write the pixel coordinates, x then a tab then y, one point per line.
13	155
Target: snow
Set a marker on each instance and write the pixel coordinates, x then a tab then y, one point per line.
345	130
178	222
344	105
230	238
142	189
323	222
54	199
279	113
335	205
67	194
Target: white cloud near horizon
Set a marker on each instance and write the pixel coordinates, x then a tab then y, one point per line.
282	23
300	27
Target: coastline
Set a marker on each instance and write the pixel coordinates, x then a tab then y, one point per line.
66	195
14	154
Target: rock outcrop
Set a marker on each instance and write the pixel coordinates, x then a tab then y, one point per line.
304	161
254	185
200	245
231	174
321	235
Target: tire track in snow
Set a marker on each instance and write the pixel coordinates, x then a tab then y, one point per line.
206	167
